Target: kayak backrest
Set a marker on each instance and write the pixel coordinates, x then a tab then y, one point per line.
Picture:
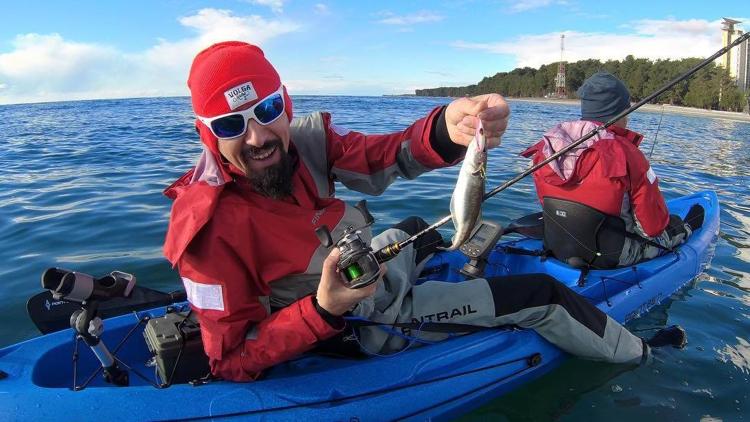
582	236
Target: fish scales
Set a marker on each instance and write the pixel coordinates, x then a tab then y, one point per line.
466	201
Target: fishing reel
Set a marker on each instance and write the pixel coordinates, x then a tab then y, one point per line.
358	263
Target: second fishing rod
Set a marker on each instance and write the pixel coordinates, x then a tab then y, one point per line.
362	264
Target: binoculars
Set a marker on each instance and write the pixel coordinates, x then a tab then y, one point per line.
81	287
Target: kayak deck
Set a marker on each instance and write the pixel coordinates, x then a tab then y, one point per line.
443	380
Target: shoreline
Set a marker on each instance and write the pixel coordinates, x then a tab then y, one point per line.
653	108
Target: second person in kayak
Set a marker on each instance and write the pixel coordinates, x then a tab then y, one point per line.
607	187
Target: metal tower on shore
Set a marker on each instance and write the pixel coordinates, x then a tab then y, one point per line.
560	91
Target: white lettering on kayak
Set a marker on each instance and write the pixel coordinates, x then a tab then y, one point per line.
651	175
240	95
204	296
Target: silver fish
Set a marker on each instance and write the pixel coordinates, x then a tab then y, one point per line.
466	202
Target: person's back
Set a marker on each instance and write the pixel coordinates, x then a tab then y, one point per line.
608	174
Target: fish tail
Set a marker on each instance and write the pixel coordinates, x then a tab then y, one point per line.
455	244
449	248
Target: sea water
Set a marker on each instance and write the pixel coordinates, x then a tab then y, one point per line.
81	188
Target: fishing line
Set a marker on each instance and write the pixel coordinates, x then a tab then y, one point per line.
645	329
412	340
656	137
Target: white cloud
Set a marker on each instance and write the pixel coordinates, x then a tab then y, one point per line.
419	17
51	53
277	6
322	9
46	66
651	39
335	84
50	68
524	5
215	25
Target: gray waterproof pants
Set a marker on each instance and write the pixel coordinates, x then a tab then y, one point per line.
535	301
674	235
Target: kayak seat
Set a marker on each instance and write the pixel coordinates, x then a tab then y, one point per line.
581	236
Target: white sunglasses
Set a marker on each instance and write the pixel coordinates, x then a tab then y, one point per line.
233	125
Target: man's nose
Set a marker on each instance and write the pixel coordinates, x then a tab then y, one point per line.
257	135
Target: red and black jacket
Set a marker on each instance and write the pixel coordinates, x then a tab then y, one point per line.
250	263
608	172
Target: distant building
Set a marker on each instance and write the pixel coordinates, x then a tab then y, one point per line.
743	65
736	60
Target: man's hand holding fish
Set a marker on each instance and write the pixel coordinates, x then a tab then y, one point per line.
490	108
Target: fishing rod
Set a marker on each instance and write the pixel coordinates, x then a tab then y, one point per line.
391	250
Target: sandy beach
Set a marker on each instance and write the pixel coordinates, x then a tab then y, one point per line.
655	108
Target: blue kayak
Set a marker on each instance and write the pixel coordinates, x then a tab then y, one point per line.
439	381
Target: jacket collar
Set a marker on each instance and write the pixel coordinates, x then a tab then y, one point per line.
630	135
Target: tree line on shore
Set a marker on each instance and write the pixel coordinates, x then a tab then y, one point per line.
711	88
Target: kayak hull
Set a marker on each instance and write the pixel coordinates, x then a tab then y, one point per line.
439	381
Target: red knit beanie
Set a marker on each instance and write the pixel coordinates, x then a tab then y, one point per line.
229	76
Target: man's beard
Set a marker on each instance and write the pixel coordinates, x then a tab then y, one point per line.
275	181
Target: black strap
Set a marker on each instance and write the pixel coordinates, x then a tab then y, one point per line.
521	251
582	278
636	237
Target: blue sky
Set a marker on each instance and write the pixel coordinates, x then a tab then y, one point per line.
67	50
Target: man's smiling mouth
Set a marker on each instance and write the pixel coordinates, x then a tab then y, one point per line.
259	154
